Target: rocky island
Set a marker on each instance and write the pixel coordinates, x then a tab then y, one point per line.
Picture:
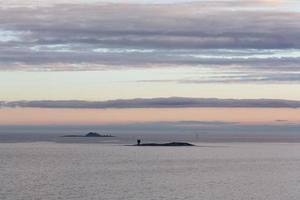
90	134
170	144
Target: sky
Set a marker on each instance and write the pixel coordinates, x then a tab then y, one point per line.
254	116
60	51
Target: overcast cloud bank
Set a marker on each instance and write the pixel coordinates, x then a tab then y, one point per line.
248	37
172	102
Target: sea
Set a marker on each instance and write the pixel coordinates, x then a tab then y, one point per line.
52	168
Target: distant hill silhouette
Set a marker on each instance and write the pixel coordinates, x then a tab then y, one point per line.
90	134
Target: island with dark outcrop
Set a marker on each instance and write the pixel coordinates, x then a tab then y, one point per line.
170	144
90	134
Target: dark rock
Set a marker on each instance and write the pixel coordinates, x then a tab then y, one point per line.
171	144
90	134
93	134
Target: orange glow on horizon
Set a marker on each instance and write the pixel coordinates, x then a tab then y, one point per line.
43	116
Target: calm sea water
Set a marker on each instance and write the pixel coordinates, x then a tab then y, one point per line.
48	170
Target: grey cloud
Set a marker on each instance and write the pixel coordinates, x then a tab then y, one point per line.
237	74
221	33
171	26
172	102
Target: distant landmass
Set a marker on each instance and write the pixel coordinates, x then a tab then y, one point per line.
90	134
171	102
171	144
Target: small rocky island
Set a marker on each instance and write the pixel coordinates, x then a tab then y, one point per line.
170	144
90	134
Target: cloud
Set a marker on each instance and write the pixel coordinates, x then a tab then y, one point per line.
172	102
252	77
253	36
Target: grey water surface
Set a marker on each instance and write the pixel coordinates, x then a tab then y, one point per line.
113	171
